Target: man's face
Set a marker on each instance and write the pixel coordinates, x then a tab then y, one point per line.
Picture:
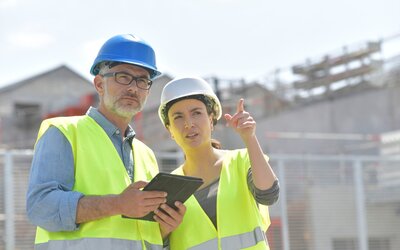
123	100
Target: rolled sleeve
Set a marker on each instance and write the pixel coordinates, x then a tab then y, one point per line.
68	209
51	203
265	197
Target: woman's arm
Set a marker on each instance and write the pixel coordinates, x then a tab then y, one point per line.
244	124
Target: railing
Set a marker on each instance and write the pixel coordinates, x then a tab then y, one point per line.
326	202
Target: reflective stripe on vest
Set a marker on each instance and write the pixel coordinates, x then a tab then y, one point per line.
243	240
210	244
150	246
239	241
95	243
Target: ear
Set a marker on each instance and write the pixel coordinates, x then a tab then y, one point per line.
211	123
99	84
170	134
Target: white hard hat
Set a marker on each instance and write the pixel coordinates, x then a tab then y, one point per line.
187	86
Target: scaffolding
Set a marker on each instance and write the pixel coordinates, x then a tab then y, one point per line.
346	69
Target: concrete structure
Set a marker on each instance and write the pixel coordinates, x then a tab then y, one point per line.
355	121
59	92
323	203
24	104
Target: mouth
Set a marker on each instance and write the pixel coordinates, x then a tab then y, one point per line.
192	135
131	99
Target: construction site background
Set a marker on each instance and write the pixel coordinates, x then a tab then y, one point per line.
331	129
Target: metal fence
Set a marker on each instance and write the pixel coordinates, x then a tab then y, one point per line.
326	202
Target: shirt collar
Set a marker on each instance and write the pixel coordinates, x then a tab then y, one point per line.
108	126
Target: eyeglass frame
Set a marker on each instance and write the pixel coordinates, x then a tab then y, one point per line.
134	78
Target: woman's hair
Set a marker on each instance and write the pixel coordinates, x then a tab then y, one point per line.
216	144
211	107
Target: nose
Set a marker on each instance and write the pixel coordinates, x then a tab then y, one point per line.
132	87
188	123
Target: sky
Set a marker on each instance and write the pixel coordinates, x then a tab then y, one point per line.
230	39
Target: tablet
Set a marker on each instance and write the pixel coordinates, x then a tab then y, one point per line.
178	188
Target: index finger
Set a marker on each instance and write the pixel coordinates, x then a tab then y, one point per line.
154	194
240	105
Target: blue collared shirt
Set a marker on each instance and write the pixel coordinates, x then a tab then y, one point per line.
51	203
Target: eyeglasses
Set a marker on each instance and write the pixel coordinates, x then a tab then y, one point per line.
126	79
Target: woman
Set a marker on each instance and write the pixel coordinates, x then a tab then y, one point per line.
224	213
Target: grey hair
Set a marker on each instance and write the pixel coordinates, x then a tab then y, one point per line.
106	65
103	68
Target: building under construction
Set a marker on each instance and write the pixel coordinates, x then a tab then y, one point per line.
330	134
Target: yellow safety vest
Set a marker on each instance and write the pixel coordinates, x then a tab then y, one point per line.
99	170
240	225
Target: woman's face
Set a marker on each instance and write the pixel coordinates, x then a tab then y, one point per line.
190	124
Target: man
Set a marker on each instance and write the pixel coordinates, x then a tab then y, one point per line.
88	171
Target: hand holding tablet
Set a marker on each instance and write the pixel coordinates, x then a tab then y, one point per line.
178	188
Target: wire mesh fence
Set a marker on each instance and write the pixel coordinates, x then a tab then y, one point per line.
326	202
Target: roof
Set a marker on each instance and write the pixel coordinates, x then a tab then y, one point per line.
21	83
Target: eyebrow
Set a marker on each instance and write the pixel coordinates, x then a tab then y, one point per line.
137	76
193	109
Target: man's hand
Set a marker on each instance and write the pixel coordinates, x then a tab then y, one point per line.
169	218
136	203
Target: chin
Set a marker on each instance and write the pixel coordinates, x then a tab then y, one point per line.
128	111
129	114
194	144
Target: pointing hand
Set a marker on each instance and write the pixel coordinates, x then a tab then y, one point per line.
241	121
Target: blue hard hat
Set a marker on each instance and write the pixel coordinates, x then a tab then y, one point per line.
127	49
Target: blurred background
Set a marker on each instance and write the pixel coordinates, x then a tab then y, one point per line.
322	80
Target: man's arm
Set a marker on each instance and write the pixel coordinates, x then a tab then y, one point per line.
132	202
50	201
